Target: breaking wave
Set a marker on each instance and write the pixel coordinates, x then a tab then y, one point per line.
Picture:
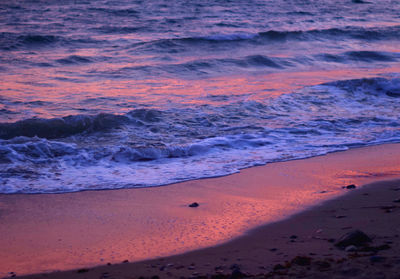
74	124
147	147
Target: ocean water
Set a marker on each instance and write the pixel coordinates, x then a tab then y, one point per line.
123	94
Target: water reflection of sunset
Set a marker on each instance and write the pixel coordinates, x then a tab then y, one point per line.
219	102
63	94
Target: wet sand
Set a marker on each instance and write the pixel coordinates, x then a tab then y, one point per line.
57	232
302	246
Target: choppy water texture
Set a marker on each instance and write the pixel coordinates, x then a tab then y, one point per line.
117	94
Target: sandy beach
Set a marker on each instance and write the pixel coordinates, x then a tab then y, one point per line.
302	246
76	231
199	139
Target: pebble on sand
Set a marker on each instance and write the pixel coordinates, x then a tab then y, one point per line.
350	248
356	238
351	186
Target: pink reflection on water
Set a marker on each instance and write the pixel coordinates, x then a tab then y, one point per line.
70	95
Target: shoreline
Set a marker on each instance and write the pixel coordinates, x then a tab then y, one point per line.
217	207
205	178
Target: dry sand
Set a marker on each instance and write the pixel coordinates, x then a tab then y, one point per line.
48	232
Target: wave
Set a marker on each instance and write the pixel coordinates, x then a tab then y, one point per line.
374	33
370	86
360	2
74	59
14	41
75	124
251	63
116	12
39	151
207	66
147	147
368	56
106	29
11	41
7	111
361	56
359	33
230	37
38	39
351	32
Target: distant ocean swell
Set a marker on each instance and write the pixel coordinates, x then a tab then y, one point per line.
216	66
148	147
164	59
14	41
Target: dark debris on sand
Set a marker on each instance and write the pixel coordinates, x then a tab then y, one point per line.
356	238
364	261
349	187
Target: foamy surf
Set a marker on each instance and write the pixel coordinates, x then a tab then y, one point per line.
147	147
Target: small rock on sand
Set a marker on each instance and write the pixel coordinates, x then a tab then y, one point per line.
356	238
322	265
237	274
350	248
376	259
302	260
278	267
340	216
351	186
195	204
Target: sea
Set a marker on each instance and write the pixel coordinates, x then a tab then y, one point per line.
103	94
